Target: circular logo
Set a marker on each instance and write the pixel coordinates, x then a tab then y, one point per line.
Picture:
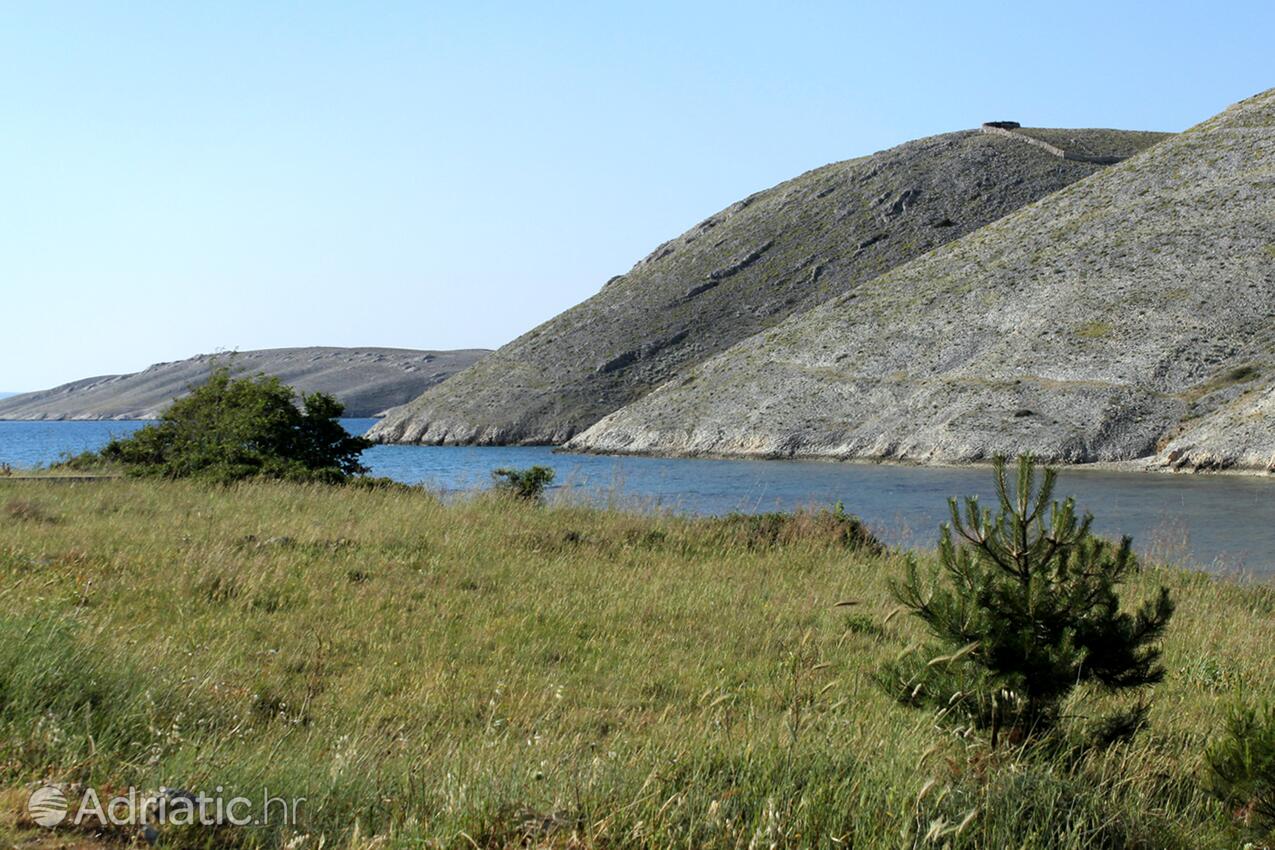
47	805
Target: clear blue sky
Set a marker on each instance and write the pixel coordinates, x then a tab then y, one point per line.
178	178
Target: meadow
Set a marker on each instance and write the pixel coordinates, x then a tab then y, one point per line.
490	673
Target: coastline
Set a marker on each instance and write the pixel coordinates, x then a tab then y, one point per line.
1144	464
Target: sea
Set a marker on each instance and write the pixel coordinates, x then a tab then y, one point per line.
1222	524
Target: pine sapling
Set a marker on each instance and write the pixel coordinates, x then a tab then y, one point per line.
1024	608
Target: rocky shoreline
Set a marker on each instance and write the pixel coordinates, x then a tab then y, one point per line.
1147	464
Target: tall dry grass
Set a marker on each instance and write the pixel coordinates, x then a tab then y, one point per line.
495	674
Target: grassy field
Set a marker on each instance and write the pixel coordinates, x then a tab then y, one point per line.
492	674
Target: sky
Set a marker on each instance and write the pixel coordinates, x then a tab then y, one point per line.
180	178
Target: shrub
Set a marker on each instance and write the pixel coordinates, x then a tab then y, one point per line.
231	429
526	484
83	462
1242	768
763	531
1021	613
383	484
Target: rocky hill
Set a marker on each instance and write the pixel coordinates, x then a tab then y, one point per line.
1130	315
743	270
368	380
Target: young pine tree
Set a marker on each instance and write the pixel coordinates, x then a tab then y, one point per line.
1241	769
1023	609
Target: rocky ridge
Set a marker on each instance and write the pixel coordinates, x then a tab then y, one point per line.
367	380
773	254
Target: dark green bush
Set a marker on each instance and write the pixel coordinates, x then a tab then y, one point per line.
1242	769
528	484
230	429
1023	611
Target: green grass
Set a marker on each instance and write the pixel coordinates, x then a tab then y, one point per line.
1229	378
1095	330
496	674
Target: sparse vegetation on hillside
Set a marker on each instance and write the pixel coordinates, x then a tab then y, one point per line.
776	253
1130	311
491	673
1095	330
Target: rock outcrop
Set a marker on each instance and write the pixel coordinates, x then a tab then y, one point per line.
367	380
1130	315
773	254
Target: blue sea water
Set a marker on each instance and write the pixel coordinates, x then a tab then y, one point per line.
1219	523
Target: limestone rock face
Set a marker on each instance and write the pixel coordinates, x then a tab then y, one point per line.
367	380
1129	315
775	253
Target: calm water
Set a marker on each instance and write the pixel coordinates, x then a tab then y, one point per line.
1224	524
